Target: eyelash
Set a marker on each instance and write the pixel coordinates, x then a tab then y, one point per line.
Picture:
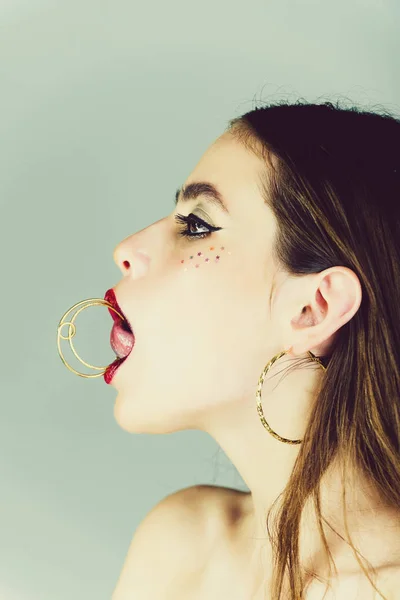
190	220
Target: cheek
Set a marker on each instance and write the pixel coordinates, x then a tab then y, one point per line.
204	258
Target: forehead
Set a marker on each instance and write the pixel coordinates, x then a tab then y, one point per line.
235	171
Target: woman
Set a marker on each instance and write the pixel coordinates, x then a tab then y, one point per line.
282	254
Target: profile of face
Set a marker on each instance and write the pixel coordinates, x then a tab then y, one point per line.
198	306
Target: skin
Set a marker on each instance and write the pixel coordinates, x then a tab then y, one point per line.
203	337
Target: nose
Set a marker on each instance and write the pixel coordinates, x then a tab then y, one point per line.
130	259
134	254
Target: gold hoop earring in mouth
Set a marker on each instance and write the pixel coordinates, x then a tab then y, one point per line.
72	330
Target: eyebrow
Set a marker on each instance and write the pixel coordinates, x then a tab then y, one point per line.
201	188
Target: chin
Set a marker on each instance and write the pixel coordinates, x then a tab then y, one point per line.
125	417
132	418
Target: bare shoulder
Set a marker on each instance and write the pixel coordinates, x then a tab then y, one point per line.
358	586
226	506
173	541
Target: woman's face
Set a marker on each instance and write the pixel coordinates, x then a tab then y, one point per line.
199	307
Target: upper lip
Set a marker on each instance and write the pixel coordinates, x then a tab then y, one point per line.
110	297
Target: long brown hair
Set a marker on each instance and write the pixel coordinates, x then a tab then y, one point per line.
334	188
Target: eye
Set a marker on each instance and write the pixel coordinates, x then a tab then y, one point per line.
192	220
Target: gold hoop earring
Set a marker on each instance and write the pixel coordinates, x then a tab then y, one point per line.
72	331
258	394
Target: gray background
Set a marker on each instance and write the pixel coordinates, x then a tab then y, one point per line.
105	109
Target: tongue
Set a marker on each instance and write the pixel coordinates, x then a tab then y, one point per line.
121	341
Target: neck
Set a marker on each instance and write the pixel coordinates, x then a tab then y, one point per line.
265	464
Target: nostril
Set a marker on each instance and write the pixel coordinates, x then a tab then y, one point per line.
126	264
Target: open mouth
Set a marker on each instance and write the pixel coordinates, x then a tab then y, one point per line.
122	338
112	299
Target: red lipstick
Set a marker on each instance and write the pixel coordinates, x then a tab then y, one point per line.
110	297
122	338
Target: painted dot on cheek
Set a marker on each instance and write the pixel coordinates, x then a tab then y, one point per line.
206	259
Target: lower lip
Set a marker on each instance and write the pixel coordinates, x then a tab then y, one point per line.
112	369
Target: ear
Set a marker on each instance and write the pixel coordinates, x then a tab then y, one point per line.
331	299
